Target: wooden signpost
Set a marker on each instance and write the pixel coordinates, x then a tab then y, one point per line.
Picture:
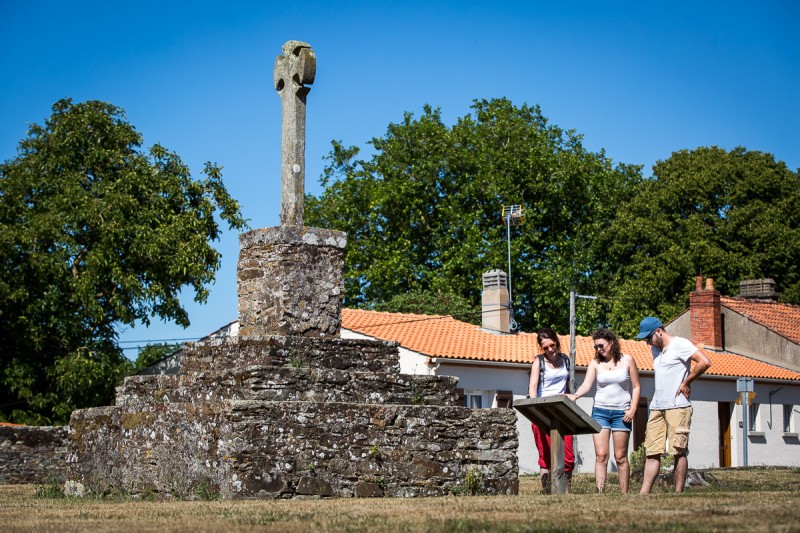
561	416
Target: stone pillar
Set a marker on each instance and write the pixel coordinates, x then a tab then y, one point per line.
290	281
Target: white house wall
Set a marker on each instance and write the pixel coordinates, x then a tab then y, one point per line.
771	449
744	337
770	446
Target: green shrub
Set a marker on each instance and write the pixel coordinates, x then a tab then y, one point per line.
638	458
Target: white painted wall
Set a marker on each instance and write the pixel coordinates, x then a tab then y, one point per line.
771	448
769	445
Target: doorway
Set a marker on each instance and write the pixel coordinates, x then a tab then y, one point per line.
724	416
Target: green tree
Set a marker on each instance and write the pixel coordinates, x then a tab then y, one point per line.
94	232
424	212
730	215
153	353
428	302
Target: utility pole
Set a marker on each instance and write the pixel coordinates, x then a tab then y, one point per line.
573	296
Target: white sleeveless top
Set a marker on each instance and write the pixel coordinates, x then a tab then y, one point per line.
555	381
613	388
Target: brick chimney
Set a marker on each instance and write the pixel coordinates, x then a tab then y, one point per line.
705	315
495	311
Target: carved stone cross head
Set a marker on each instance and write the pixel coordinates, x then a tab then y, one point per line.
298	64
294	70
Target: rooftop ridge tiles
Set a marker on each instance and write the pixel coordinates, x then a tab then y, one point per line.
471	343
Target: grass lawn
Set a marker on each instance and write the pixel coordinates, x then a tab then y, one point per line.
751	499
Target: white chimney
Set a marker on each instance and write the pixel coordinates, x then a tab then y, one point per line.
495	311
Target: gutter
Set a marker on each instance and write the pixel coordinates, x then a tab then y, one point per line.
502	364
477	362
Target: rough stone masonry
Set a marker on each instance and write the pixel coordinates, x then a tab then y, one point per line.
288	409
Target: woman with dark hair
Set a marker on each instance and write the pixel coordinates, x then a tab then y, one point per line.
614	404
549	377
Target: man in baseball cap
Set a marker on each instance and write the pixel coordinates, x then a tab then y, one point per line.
648	326
670	410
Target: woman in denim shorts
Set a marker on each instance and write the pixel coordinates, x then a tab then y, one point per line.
614	404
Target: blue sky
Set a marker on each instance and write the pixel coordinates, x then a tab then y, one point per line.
638	79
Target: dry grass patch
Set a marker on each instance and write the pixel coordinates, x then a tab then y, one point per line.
757	499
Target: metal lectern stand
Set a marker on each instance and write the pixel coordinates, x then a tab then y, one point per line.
561	416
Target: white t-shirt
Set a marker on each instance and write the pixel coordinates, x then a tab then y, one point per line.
672	365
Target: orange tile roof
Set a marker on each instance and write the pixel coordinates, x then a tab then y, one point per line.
783	319
446	337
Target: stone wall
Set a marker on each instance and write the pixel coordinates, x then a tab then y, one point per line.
277	351
290	384
290	281
252	449
32	454
283	417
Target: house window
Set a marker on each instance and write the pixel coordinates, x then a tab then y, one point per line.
752	417
504	399
475	399
788	426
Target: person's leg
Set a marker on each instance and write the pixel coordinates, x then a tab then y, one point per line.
542	446
678	423
601	458
569	455
569	458
652	466
654	445
541	438
620	439
681	468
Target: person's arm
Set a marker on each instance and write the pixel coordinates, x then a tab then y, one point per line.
701	364
588	381
636	389
533	385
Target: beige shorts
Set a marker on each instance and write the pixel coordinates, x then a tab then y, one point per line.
668	427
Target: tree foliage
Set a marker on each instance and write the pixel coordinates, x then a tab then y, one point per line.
423	217
428	302
94	232
153	353
424	212
731	215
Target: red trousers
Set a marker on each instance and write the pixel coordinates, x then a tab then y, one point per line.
542	439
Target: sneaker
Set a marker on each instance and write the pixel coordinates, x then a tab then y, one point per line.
546	482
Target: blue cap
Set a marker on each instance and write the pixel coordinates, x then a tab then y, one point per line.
648	326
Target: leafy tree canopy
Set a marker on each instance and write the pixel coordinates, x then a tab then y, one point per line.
424	212
423	217
731	215
428	302
94	232
153	353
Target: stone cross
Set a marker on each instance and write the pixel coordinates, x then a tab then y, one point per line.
293	70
